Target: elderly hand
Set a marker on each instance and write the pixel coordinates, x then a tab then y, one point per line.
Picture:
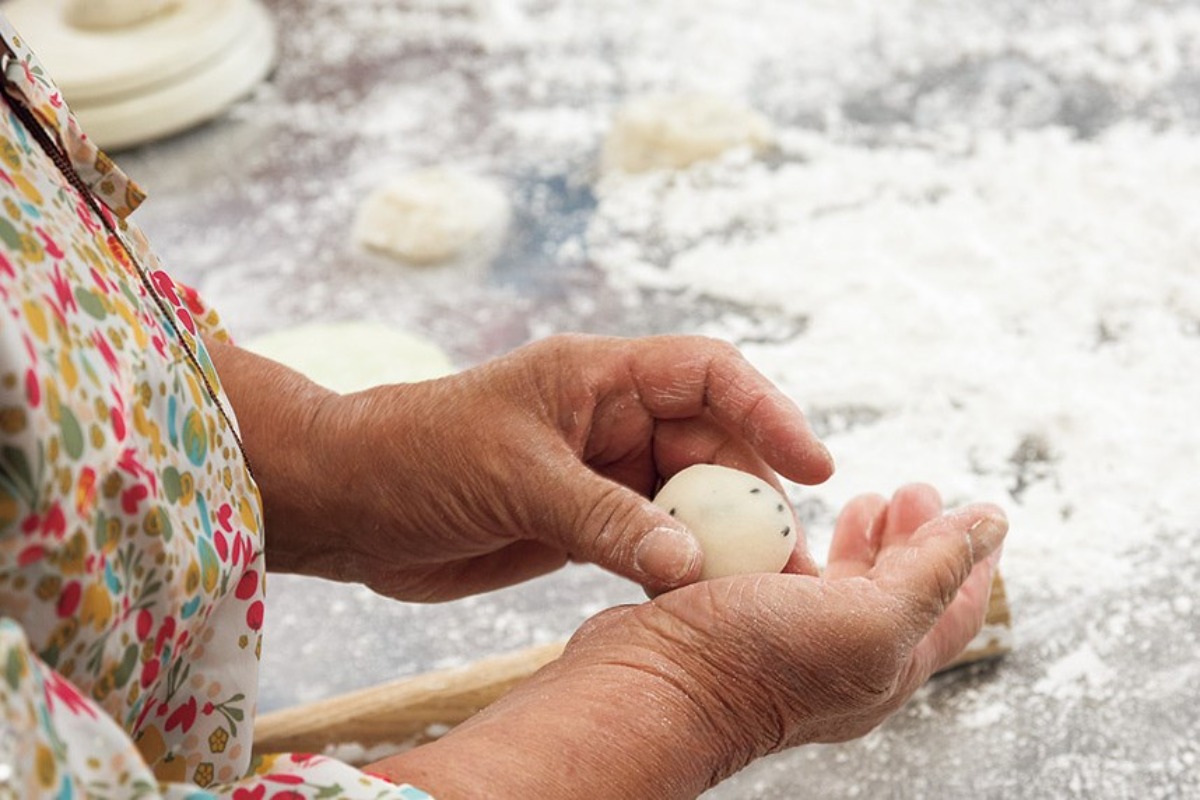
440	489
669	697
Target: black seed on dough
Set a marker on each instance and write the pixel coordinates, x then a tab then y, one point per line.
779	507
755	490
671	512
787	530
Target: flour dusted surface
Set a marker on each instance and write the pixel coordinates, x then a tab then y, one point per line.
971	255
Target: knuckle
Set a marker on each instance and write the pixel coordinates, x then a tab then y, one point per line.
567	341
599	625
948	575
719	349
604	523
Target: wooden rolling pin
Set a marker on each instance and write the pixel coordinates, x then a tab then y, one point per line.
414	710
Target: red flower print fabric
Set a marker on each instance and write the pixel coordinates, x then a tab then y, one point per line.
131	546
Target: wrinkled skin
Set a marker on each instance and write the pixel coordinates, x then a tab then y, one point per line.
446	488
503	472
687	689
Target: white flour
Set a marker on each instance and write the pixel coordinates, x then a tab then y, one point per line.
974	260
1033	289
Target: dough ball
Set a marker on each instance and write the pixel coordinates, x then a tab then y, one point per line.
108	14
433	216
352	356
676	131
743	523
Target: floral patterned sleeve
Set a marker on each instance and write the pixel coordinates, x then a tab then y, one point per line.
132	589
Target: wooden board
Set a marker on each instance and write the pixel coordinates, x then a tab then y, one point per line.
415	710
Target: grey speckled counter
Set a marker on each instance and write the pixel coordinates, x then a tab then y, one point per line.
1101	697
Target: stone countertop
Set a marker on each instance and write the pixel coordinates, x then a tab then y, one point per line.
1101	696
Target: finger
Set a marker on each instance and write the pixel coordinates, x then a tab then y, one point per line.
801	561
605	523
680	443
513	564
856	537
679	377
955	629
911	507
925	574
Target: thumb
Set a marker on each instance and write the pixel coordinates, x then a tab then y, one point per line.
601	521
926	573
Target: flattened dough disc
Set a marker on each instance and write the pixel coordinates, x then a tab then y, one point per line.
154	78
352	356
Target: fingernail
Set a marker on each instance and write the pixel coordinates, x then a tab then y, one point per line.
667	555
994	558
986	536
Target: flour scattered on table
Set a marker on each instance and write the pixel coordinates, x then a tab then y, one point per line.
970	253
974	303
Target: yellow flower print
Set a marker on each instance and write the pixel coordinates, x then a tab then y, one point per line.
111	536
210	569
195	437
71	557
158	523
48	587
194	387
28	189
62	636
65	480
45	766
111	486
144	393
13	420
248	514
191	580
35	318
10	509
67	370
218	740
53	402
187	487
97	608
103	686
149	429
264	764
172	769
9	154
203	775
151	745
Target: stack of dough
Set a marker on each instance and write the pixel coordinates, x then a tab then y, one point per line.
109	14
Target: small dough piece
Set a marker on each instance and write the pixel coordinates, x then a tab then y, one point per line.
744	524
352	356
676	131
110	14
433	216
